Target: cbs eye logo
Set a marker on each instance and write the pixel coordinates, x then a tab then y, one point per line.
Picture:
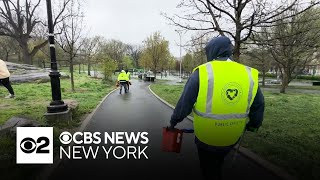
34	145
29	145
65	137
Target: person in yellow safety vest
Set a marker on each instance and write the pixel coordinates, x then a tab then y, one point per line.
222	94
4	78
129	77
123	79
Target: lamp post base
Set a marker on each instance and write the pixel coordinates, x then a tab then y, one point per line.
59	117
56	108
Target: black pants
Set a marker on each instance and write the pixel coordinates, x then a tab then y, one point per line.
124	85
211	163
6	83
128	85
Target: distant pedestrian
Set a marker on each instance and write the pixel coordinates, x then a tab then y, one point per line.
129	77
123	81
4	78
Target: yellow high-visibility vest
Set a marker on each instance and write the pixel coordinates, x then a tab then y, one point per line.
123	77
226	92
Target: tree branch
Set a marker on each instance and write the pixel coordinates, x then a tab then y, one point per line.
56	20
220	10
217	26
250	30
273	19
37	47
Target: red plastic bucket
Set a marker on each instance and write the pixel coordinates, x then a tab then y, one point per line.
171	140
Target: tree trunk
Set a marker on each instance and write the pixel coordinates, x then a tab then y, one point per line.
263	78
39	63
285	81
155	73
26	56
237	40
7	56
105	76
71	74
89	68
79	68
44	63
27	59
19	55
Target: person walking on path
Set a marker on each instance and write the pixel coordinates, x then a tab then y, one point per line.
222	94
4	78
129	77
123	79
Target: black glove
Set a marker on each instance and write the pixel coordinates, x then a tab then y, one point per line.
170	127
251	128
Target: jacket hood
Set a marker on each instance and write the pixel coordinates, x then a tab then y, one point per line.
218	48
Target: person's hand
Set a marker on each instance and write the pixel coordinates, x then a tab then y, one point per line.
170	127
251	129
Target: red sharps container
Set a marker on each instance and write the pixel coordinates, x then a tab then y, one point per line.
171	140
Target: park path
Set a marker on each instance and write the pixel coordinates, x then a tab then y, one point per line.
137	111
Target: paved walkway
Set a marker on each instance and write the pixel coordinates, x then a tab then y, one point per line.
136	111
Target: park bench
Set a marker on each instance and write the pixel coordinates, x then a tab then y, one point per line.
316	83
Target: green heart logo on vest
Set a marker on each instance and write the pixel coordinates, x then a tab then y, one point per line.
232	93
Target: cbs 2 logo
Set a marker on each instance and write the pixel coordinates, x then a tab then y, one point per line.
29	145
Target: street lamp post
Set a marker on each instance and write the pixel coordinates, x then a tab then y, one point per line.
179	32
56	105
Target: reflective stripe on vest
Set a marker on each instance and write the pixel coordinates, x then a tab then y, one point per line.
208	113
219	116
223	106
123	77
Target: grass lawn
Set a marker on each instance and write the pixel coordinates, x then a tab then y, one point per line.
31	102
32	99
289	136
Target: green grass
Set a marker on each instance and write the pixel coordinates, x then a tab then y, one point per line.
32	99
170	93
289	136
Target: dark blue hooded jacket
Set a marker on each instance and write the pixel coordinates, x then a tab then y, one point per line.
220	49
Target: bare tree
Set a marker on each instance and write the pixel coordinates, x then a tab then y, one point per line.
7	47
116	50
234	18
70	40
197	46
19	19
261	59
135	52
90	49
293	43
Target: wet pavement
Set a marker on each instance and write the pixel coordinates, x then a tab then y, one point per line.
140	111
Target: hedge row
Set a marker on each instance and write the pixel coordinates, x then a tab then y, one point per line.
305	77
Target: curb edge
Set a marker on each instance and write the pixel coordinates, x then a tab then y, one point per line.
57	161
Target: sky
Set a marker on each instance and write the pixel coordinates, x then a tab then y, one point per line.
132	21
